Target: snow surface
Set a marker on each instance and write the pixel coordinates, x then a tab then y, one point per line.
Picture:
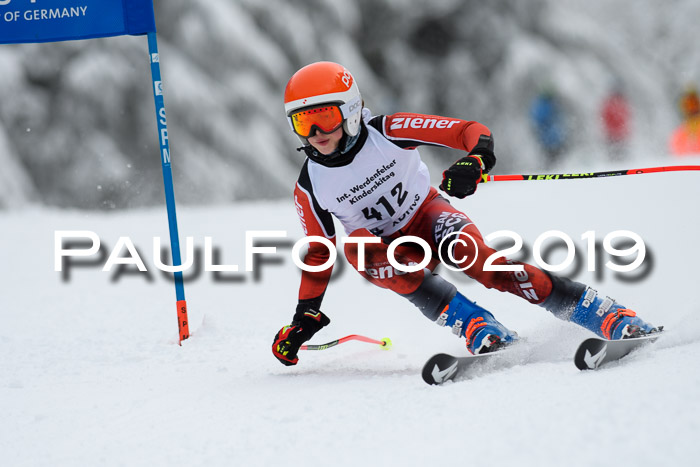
91	373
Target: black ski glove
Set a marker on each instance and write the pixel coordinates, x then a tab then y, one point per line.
307	322
463	176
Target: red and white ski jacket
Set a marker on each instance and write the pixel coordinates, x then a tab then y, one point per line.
380	188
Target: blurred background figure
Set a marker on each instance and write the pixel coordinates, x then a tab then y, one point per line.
615	115
685	140
67	143
548	123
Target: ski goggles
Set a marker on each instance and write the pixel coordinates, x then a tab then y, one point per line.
327	118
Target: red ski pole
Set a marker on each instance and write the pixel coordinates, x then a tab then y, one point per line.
384	343
573	176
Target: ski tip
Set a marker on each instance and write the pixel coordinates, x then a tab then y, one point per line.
595	352
439	369
590	354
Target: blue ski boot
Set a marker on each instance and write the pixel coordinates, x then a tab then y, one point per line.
483	332
580	304
608	319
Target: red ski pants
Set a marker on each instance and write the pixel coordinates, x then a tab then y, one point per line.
435	220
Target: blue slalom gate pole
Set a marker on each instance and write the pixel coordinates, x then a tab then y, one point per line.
183	325
67	20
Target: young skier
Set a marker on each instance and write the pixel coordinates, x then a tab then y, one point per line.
366	172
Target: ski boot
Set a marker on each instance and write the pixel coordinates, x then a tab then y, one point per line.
608	319
483	332
580	304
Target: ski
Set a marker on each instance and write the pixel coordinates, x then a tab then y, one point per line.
591	354
442	367
596	352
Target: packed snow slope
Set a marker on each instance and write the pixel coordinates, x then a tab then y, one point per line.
91	373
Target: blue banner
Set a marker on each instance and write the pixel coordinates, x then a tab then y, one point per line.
63	20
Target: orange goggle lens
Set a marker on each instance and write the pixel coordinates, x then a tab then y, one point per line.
326	118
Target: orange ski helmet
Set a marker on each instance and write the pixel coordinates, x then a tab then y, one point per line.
325	83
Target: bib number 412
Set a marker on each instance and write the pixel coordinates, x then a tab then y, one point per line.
399	195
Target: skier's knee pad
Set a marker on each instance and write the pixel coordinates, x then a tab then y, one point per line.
564	297
432	295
